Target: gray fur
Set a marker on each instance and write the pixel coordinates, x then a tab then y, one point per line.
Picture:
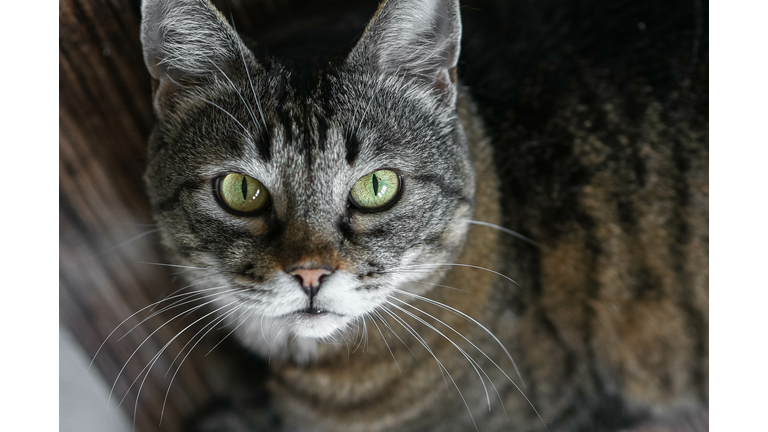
213	125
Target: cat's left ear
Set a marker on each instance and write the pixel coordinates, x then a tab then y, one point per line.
416	39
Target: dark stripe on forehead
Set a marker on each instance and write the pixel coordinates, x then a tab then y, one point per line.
264	146
308	156
306	139
322	132
353	147
287	124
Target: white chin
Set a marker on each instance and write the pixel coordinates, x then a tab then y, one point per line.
318	326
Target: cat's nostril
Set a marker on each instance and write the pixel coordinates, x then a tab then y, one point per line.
310	279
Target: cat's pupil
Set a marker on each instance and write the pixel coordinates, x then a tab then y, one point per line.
244	187
375	185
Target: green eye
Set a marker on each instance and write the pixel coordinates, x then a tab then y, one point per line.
375	190
242	194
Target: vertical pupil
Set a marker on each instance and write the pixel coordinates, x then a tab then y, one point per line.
244	187
375	185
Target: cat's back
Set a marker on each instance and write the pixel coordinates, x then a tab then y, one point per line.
598	112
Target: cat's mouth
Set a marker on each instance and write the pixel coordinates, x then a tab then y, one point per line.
316	323
312	311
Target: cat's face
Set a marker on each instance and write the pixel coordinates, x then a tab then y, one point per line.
312	196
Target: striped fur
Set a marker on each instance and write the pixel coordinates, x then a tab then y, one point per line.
607	316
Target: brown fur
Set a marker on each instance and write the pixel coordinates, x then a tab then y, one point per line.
621	315
366	391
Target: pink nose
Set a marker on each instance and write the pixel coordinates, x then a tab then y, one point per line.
310	279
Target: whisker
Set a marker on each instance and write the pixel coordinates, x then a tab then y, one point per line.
261	326
274	341
173	265
230	333
175	305
504	230
471	361
419	339
373	96
127	242
127	224
185	298
443	286
212	324
215	322
250	327
409	329
365	332
154	359
383	321
346	342
250	81
385	343
470	342
469	318
360	333
234	87
147	338
153	305
247	132
175	294
354	115
458	265
469	358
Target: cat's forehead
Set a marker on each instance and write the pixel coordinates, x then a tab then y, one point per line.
322	124
305	148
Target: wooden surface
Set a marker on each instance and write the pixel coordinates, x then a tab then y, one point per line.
105	118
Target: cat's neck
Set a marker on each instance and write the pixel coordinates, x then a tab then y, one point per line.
339	376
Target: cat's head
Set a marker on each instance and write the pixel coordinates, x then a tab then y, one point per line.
312	194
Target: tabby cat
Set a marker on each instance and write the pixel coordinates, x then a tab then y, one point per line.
352	218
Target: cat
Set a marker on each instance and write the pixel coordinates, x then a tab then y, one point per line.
353	219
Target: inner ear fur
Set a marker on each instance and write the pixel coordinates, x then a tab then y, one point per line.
184	42
417	39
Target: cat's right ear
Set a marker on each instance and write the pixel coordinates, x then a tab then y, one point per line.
185	41
418	40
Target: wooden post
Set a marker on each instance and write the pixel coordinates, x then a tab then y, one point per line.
105	117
